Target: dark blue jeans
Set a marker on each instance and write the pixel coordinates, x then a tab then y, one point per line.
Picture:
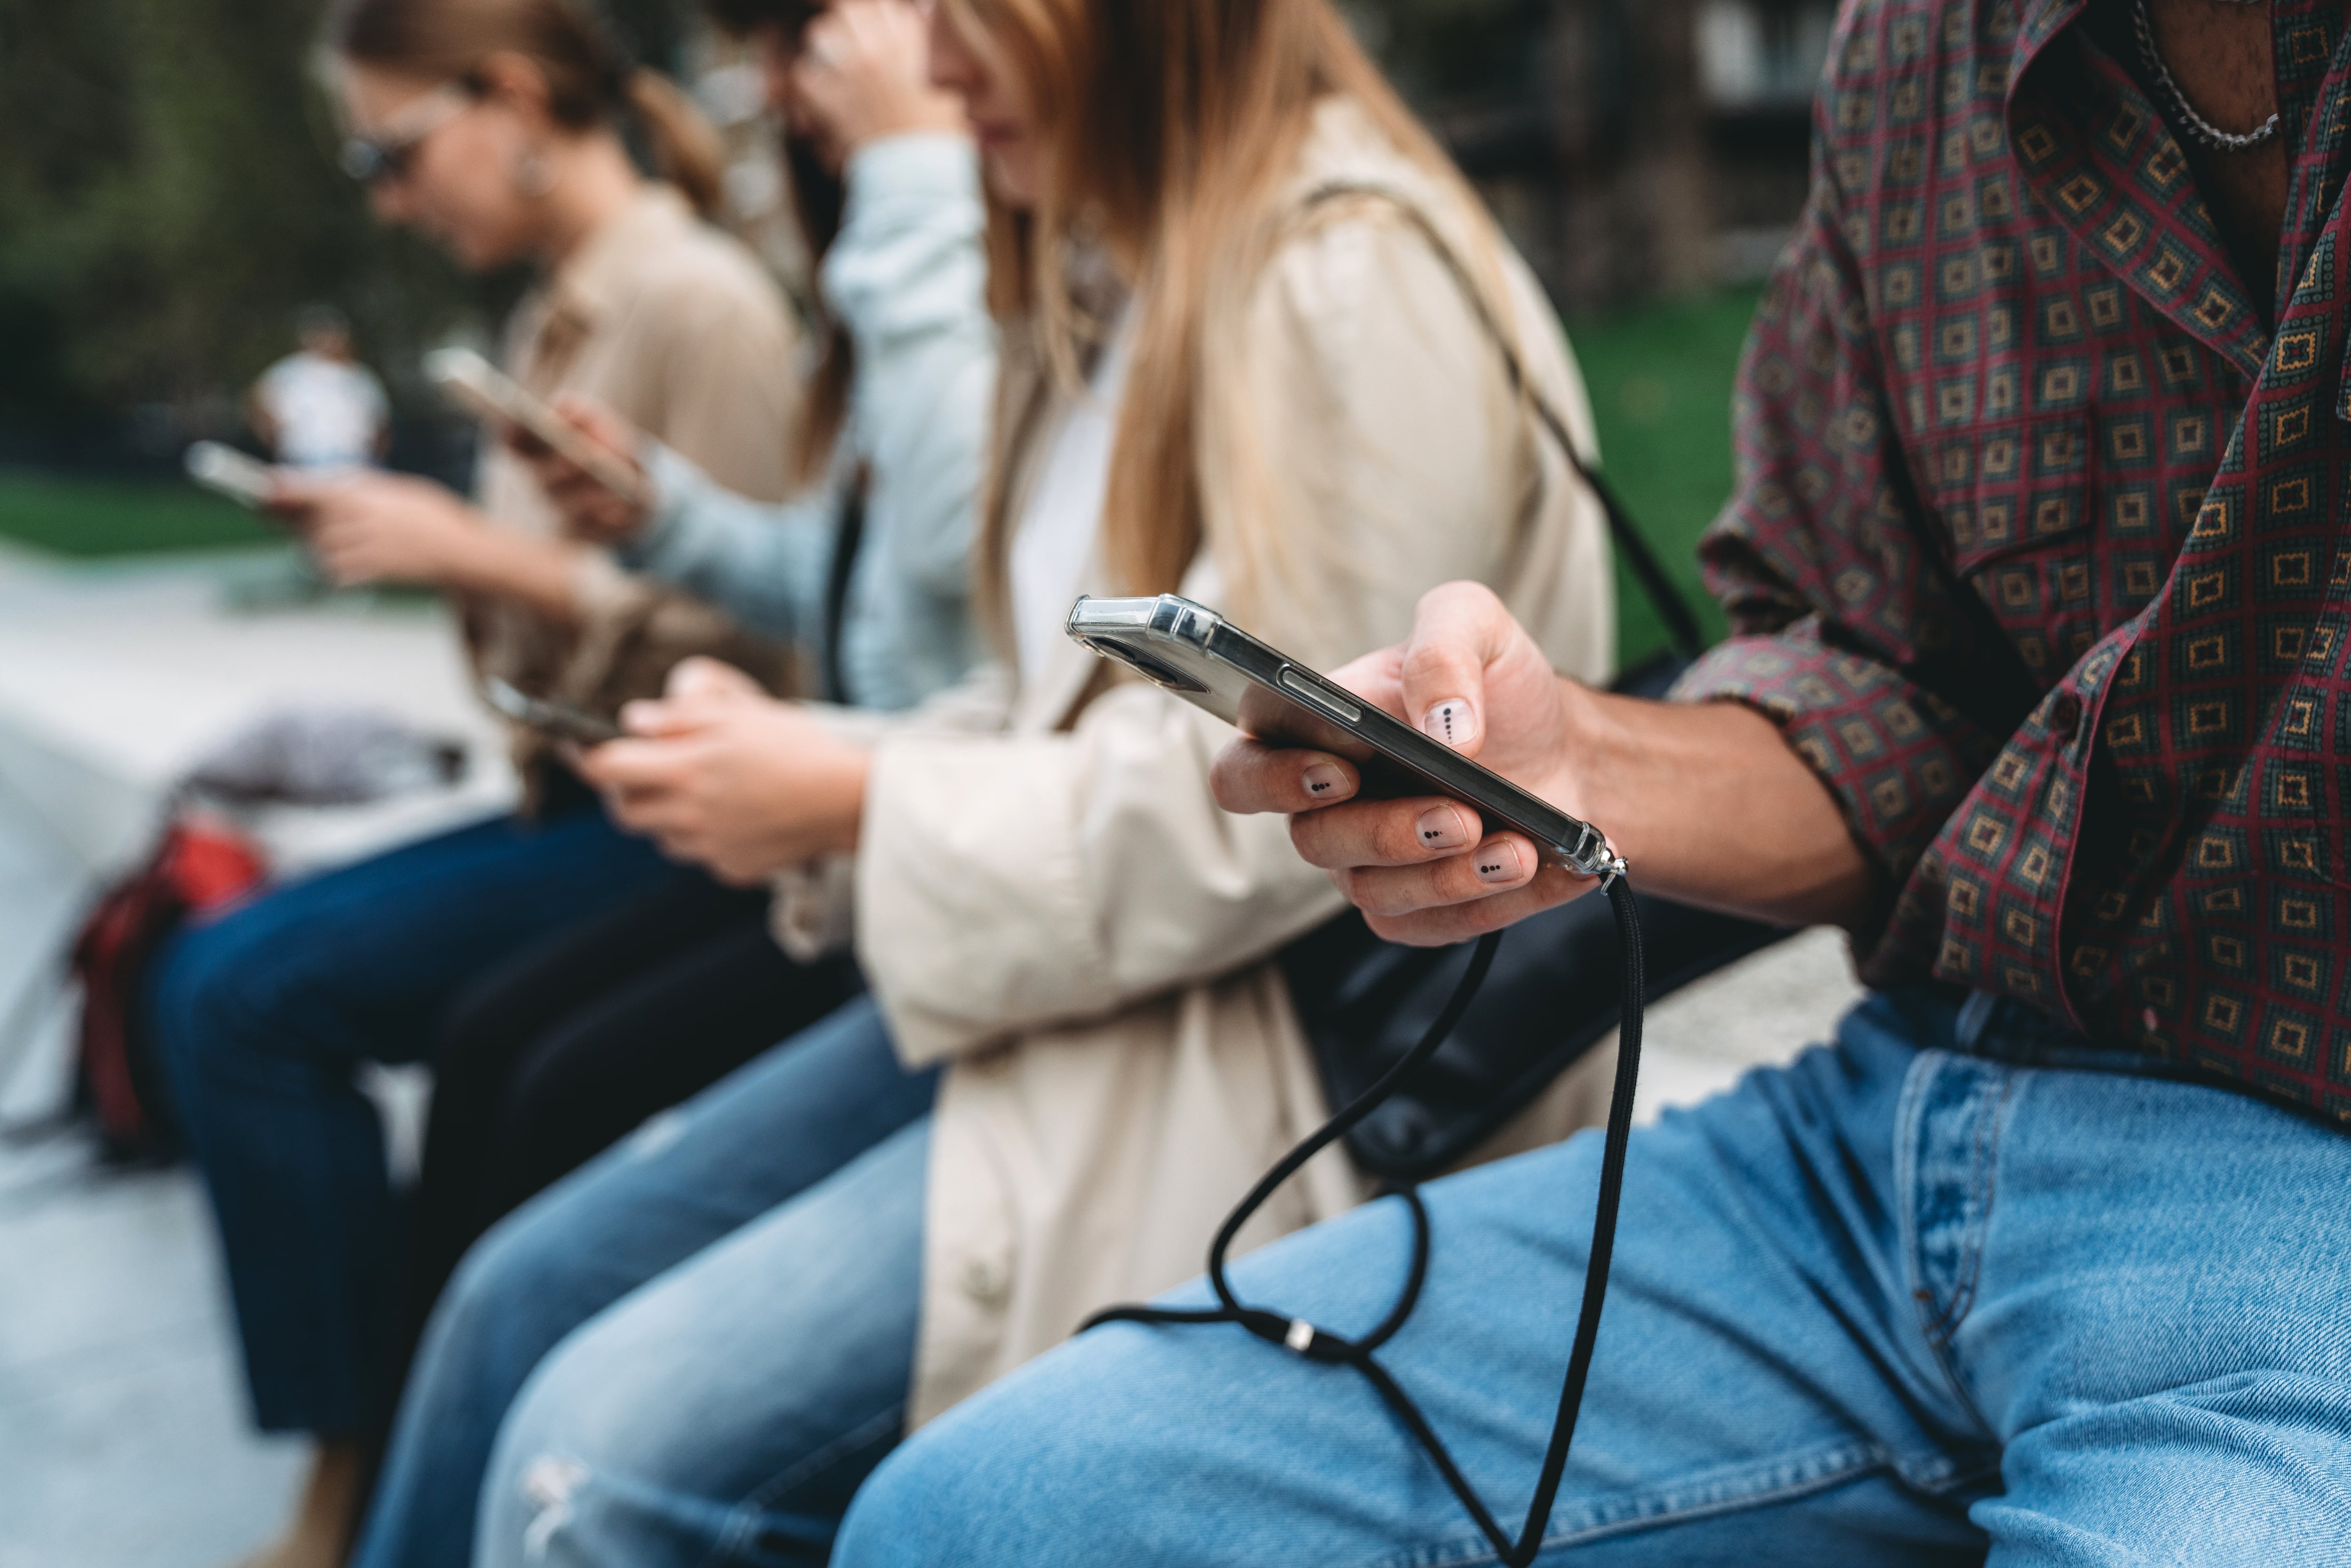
263	1016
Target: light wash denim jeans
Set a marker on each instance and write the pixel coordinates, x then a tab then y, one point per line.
697	1345
1886	1305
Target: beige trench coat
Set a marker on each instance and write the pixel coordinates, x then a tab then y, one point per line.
1046	899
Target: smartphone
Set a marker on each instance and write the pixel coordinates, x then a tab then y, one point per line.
225	470
473	381
1196	654
561	720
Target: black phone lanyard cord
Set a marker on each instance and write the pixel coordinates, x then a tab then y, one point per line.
1304	1339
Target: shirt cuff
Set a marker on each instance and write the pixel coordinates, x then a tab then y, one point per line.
675	482
1898	758
920	166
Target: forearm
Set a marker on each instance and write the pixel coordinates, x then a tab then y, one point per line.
538	573
765	565
1709	805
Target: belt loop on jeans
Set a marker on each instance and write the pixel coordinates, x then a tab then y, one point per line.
1976	1015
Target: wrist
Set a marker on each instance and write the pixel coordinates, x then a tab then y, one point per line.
843	791
1591	749
891	125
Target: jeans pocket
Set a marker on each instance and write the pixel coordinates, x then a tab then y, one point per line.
1947	1161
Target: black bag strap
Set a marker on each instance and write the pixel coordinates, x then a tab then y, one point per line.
1681	623
846	541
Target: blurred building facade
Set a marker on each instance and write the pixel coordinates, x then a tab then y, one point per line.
168	191
1631	147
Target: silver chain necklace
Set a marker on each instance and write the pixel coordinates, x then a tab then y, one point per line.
2197	127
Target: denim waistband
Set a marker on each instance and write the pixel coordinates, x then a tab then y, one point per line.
2001	1028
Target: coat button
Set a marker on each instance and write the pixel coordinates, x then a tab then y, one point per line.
984	1279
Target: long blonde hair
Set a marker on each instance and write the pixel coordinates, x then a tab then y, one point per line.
590	80
1174	125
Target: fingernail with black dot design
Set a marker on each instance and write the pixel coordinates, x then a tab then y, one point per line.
1498	863
1442	828
1324	783
1452	721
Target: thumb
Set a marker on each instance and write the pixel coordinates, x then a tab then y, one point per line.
705	679
598	423
1459	632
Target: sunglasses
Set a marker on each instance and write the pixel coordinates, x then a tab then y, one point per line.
372	160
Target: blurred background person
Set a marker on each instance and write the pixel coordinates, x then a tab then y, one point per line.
493	127
550	1055
319	408
1256	332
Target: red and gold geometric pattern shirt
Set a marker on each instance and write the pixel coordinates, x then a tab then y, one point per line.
2038	550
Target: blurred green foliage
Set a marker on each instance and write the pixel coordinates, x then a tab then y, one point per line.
169	198
1660	378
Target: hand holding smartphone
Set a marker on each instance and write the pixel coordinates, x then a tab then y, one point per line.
562	721
225	471
473	382
1192	651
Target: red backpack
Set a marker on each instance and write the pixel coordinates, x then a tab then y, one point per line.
199	865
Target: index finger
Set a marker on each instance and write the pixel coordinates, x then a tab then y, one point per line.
632	763
1250	776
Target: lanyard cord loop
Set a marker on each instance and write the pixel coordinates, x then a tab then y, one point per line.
1312	1343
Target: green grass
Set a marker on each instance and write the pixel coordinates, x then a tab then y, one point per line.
93	517
1660	378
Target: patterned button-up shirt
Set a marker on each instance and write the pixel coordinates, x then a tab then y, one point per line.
2037	552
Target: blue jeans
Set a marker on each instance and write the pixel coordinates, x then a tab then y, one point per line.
262	1018
1884	1305
698	1344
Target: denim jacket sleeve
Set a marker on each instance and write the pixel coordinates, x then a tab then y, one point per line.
908	276
765	565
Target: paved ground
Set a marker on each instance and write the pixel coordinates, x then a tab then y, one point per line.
123	1441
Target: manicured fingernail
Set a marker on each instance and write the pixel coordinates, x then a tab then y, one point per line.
1498	863
1443	829
1325	782
1452	721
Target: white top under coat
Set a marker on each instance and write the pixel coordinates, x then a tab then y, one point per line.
1062	524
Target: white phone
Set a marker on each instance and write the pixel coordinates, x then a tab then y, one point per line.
225	471
482	387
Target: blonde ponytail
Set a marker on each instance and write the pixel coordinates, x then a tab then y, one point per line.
685	146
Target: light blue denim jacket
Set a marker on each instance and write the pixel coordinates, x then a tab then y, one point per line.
908	277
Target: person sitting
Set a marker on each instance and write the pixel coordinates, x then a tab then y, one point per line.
491	125
1238	360
549	1056
2041	1259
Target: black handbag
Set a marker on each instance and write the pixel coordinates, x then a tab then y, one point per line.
1555	988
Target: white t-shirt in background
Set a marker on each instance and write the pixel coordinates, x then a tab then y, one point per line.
329	413
1056	537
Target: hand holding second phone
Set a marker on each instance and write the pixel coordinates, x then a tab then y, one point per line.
375	527
1708	801
863	73
591	511
721	774
1424	870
